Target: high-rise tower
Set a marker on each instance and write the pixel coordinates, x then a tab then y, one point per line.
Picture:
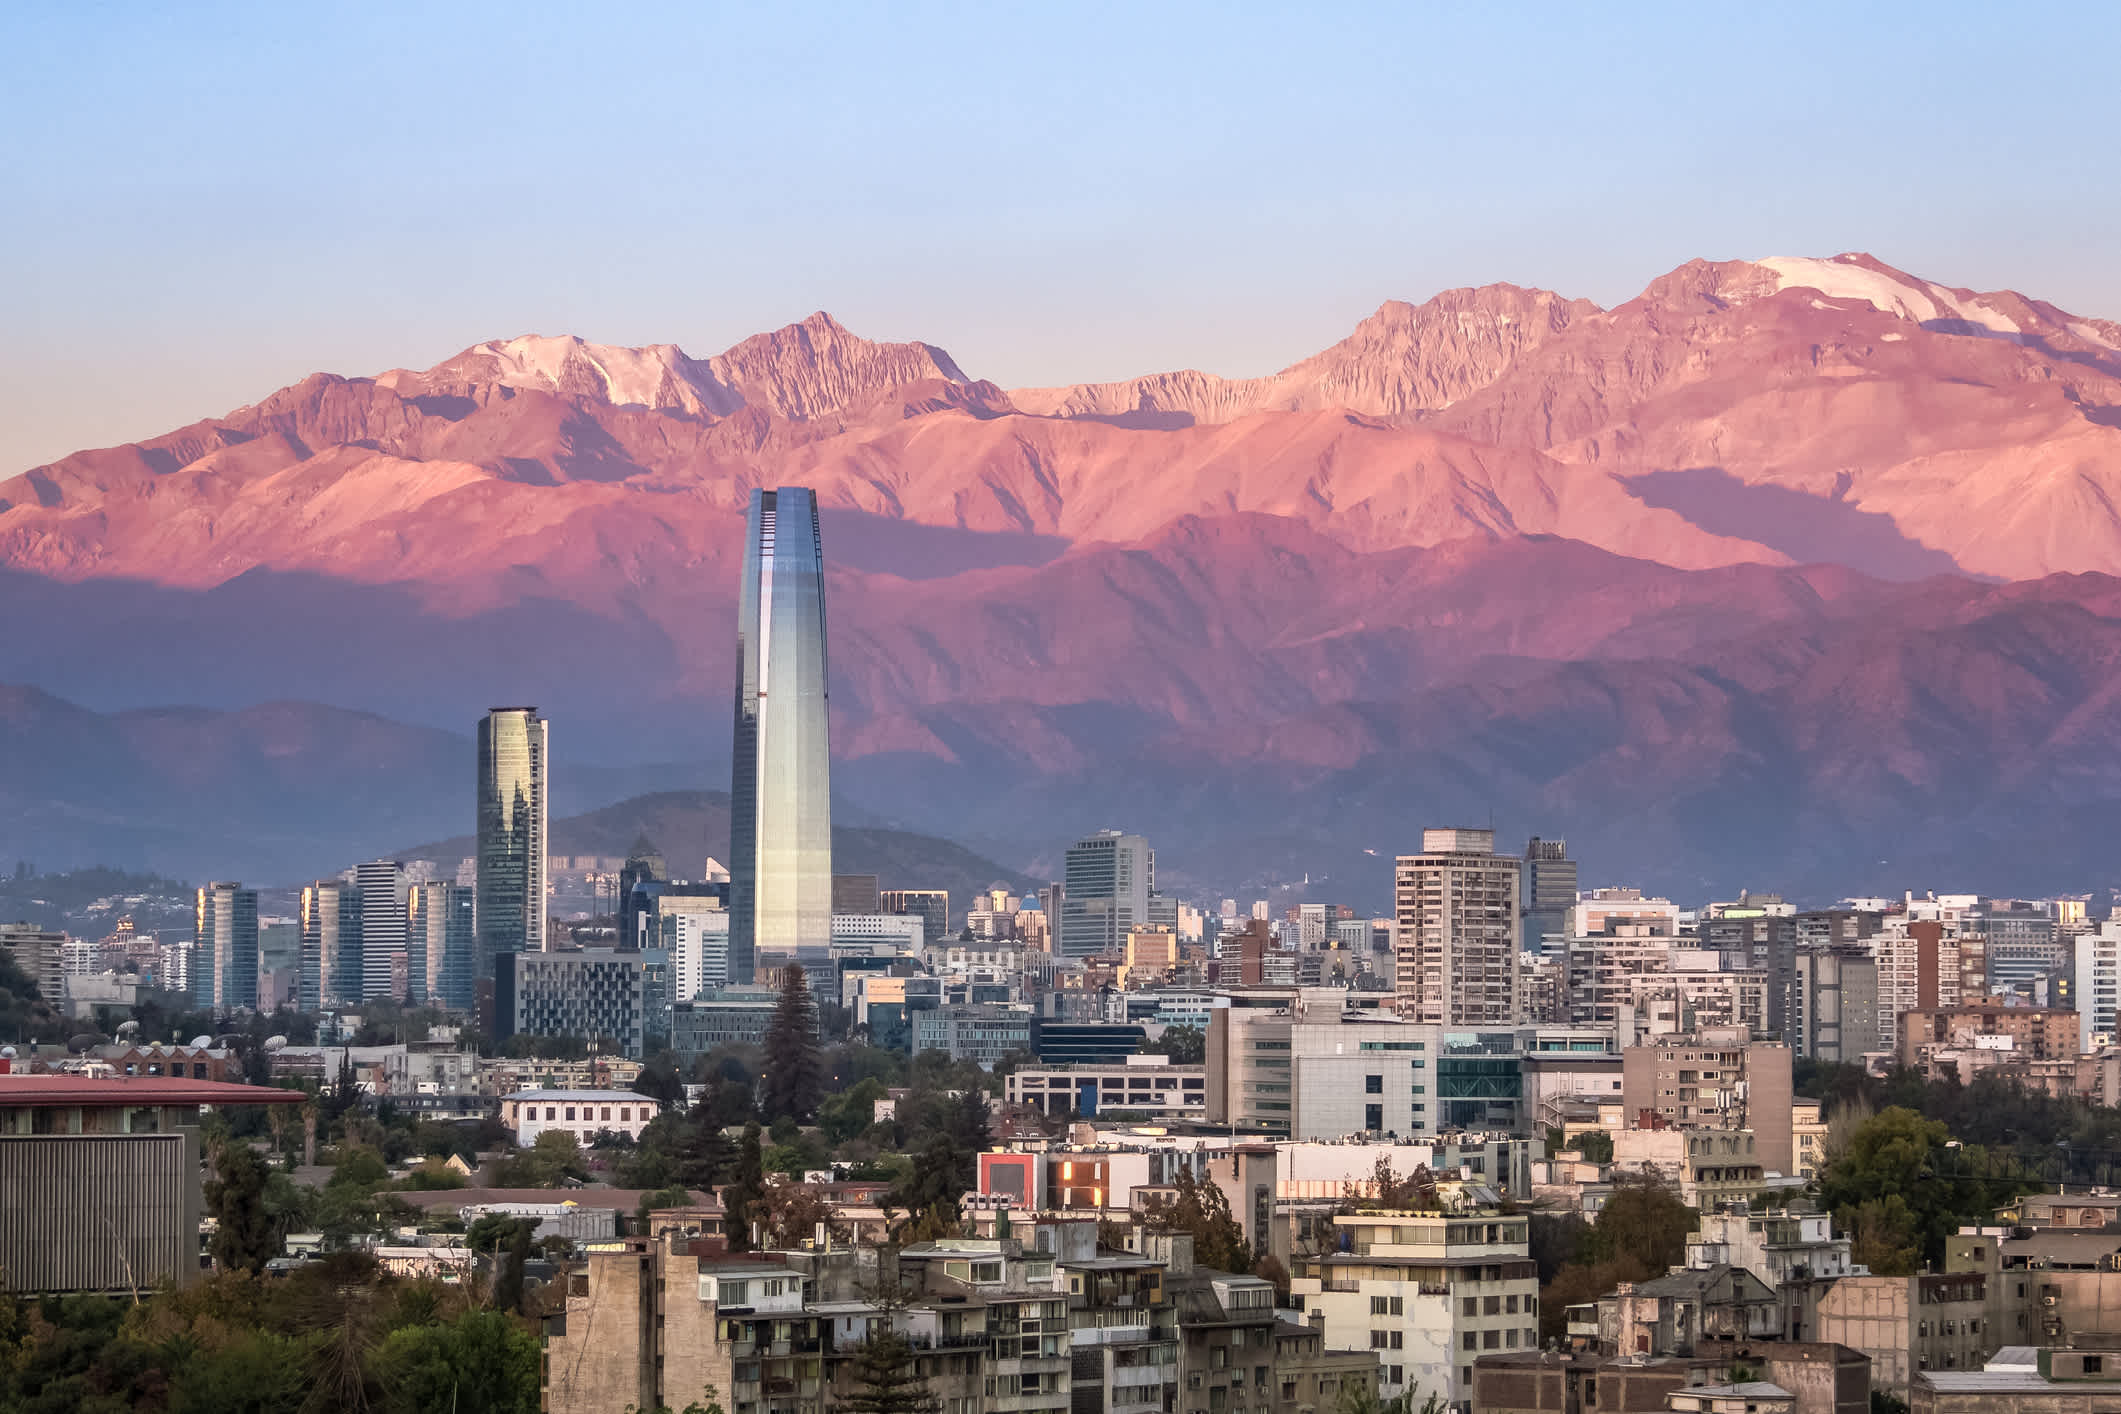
1110	879
224	966
511	840
1458	930
780	788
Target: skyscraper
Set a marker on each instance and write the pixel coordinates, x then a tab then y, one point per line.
331	946
511	838
1109	877
439	944
224	966
383	884
1458	930
1549	892
780	788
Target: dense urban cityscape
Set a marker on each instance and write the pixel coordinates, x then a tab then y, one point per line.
771	1135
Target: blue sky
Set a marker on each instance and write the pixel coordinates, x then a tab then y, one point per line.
203	203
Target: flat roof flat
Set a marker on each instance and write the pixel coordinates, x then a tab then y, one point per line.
60	1091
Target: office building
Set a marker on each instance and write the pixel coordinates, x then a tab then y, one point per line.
514	780
383	884
905	933
440	935
856	893
1108	880
41	955
983	1034
2022	942
331	946
1148	1085
728	1016
641	880
931	906
1458	930
780	791
224	970
1923	964
1548	894
1837	1004
692	925
602	994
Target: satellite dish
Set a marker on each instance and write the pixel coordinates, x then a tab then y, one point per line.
128	1028
275	1043
83	1043
200	1043
8	1053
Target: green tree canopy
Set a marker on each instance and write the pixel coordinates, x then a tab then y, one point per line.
885	1380
794	1079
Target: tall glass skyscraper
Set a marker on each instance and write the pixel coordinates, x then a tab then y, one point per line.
331	946
510	913
439	944
780	789
224	961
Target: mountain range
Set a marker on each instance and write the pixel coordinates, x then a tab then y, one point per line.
1791	573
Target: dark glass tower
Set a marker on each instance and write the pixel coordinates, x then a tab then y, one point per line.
780	788
511	844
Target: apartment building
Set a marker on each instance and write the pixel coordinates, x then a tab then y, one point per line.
1458	930
1717	1080
1147	1085
1429	1292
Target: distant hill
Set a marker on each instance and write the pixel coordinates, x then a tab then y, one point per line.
688	826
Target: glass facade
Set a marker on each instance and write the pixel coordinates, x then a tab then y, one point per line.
224	962
439	944
1110	880
331	946
510	912
780	789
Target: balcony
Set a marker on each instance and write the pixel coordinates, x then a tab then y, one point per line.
1109	1335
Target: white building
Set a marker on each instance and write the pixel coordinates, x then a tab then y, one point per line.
1429	1292
903	931
1149	1085
2098	985
696	931
582	1113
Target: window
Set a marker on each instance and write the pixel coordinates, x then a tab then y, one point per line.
1509	1305
1379	1305
1590	1390
604	1113
2094	1364
549	1113
1373	1084
1378	1340
1492	1307
1468	1305
1491	1340
570	1114
1373	1116
625	1114
1470	1340
1399	1306
1398	1374
1399	1340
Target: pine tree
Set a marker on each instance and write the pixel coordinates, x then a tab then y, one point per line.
235	1197
744	1199
794	1079
886	1381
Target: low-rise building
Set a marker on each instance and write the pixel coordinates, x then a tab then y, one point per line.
1910	1324
1148	1085
583	1113
100	1180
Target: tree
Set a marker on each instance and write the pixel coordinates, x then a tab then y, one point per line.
794	1078
508	1286
1902	1183
850	1113
793	1213
1199	1208
935	1181
244	1235
1416	1193
1644	1217
1185	1045
259	1372
742	1199
885	1380
481	1363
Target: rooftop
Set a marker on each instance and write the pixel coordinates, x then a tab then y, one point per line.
64	1091
576	1097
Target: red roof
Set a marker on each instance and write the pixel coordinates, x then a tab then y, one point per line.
55	1091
